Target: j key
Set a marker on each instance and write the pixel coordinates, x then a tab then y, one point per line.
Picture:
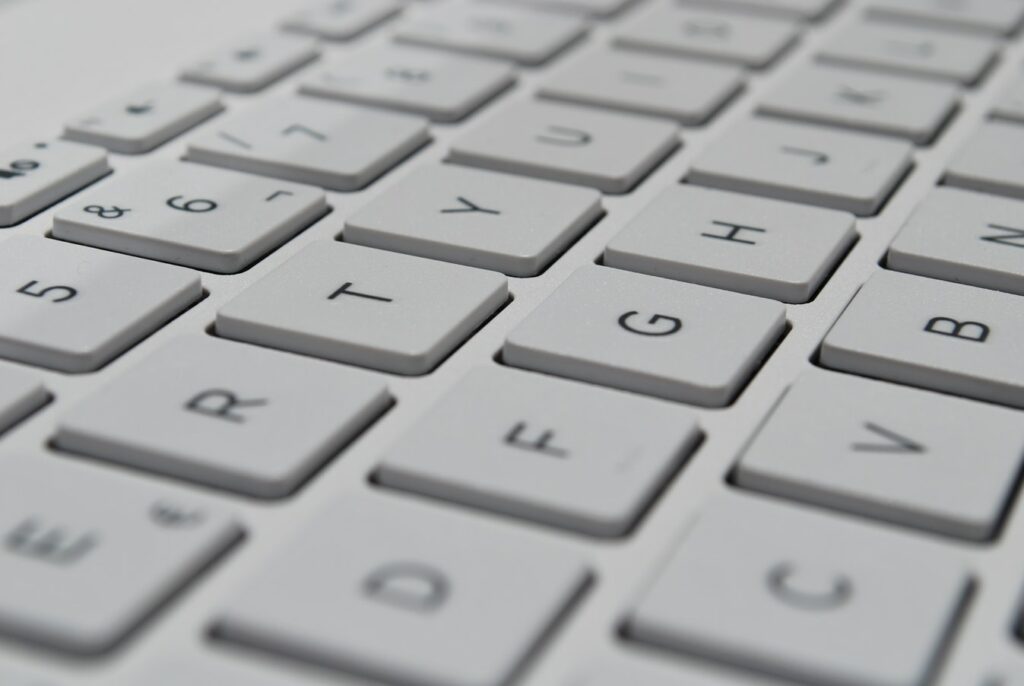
342	19
86	555
478	218
74	309
21	394
943	336
606	150
543	449
441	86
989	162
191	215
335	146
367	307
846	171
591	8
33	176
802	10
991	17
254	64
803	596
639	333
145	118
966	237
399	592
736	242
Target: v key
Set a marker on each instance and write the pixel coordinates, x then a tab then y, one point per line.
894	442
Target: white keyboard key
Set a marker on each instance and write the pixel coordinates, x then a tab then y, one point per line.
965	237
253	64
88	555
606	150
992	17
478	218
33	176
687	91
943	336
441	86
913	458
1010	105
797	10
335	146
599	9
866	101
21	394
342	19
735	242
409	589
224	414
854	172
191	215
674	29
803	596
988	161
74	309
366	307
648	335
929	54
547	450
146	118
507	33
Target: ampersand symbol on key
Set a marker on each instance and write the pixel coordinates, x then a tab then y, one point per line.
113	212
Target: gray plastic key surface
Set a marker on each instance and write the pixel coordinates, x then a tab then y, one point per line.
803	10
986	17
41	173
340	20
988	160
21	394
600	9
254	63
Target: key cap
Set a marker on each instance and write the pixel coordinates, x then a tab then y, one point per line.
988	161
736	242
658	673
542	449
227	415
340	20
87	555
689	92
1010	105
34	176
74	309
853	172
478	218
366	307
441	86
21	394
598	9
897	49
340	147
912	458
192	215
987	17
653	336
606	150
9	678
965	237
794	10
145	118
402	590
937	335
253	64
865	101
229	672
677	30
478	28
803	596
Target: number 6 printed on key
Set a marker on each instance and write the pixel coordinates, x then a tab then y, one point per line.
177	202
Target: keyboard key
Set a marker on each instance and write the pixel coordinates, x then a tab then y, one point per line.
87	555
937	335
645	671
904	456
677	30
550	451
9	678
794	10
224	414
639	333
866	101
853	172
525	37
988	161
735	242
689	92
335	146
366	307
991	17
229	671
74	309
929	54
402	590
965	237
606	150
34	176
599	9
441	86
478	218
342	19
804	597
1010	105
254	64
192	215
145	118
21	394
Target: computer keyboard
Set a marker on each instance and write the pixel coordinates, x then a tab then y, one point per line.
513	343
